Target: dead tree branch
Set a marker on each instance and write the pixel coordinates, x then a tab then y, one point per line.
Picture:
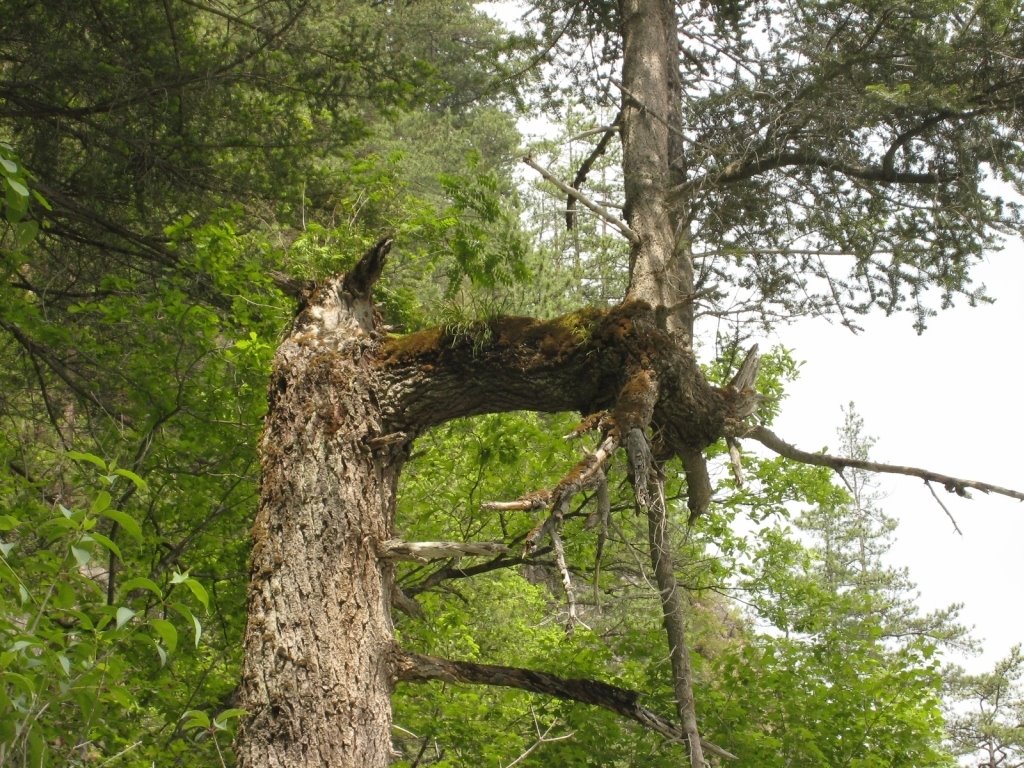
425	551
581	174
600	210
957	485
419	668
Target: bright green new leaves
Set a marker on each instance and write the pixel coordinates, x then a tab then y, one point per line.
72	652
846	671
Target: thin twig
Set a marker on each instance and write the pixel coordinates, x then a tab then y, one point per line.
944	508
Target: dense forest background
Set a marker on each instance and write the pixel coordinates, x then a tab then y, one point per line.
176	174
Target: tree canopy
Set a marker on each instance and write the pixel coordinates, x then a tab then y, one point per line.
179	177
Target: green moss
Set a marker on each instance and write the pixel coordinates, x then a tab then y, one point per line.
411	346
551	339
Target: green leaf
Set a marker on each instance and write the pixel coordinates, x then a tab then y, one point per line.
126	521
9	522
82	556
183	611
124	615
220	721
141	582
36	745
21	681
119	696
107	543
199	591
17	186
136	480
41	200
195	718
167	633
8	165
101	503
83	618
89	457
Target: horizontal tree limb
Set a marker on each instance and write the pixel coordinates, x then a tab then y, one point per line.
419	668
955	485
737	170
424	551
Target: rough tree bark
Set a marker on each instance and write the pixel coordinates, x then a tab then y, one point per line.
317	677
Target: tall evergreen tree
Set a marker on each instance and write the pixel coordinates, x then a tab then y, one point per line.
985	718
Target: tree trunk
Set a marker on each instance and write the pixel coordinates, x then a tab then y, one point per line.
318	671
661	270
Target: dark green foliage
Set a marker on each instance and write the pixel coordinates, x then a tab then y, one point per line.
837	157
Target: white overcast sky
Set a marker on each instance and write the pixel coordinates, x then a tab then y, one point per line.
950	401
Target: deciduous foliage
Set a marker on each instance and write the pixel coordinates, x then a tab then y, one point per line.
193	161
187	160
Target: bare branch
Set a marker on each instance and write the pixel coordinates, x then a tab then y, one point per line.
419	668
600	210
673	615
563	569
425	551
581	174
457	571
944	508
531	501
955	485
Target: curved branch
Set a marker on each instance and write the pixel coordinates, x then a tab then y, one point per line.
955	485
419	668
743	170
